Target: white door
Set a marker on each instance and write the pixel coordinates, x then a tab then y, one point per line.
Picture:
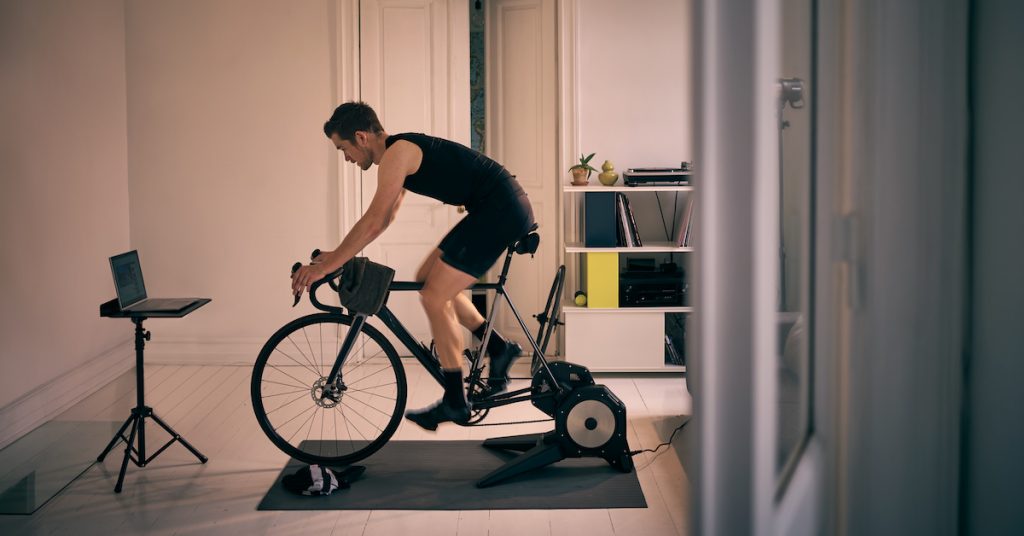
521	110
414	71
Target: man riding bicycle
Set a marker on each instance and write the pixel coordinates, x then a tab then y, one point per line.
498	214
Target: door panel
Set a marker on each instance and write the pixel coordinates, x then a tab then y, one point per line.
521	129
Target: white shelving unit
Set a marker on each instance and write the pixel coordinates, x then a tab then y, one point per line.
622	339
653	247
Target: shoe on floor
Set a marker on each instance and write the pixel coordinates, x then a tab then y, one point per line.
500	365
428	418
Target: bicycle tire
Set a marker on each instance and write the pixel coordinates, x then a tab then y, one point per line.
310	375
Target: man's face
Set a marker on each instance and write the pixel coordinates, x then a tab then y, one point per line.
356	151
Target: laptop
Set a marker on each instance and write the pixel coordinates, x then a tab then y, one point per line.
131	289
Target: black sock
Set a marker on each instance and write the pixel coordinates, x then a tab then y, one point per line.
495	345
454	394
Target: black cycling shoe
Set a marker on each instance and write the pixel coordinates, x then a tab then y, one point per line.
500	365
441	411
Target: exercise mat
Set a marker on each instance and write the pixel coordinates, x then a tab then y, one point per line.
442	475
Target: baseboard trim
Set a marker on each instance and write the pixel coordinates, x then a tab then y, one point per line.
209	352
40	405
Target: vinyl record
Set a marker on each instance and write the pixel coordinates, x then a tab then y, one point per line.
590	424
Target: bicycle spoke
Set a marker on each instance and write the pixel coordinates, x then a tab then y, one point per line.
284	393
334	417
301	383
371	375
361	415
312	363
300	397
305	366
364	391
299	414
374	387
303	425
284	384
311	352
321	436
360	432
388	415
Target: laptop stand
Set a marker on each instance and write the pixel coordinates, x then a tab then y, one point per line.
135	443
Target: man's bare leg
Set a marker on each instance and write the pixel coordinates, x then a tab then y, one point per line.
441	286
464	310
502	353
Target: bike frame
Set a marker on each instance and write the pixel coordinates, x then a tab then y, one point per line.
432	365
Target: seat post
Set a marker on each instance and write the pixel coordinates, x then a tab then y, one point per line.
504	269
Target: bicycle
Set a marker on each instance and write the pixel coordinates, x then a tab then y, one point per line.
360	379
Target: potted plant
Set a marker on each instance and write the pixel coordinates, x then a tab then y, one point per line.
581	172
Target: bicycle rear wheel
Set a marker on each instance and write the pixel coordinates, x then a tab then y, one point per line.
358	414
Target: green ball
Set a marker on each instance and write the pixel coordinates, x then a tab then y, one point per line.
580	298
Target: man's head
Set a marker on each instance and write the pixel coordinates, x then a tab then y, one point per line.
354	128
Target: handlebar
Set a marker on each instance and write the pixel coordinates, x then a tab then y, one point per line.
329	279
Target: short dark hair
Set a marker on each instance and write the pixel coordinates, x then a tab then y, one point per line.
351	117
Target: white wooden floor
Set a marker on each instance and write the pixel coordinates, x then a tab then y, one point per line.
209	406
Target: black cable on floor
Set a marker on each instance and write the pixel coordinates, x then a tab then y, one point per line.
669	442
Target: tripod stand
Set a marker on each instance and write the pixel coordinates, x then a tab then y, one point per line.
135	443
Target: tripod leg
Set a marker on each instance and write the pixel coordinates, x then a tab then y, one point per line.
113	441
179	438
127	452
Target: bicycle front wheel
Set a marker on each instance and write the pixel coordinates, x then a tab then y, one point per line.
317	423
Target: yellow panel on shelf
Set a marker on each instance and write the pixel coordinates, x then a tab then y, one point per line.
602	280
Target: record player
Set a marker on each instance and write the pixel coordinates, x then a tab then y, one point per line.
650	176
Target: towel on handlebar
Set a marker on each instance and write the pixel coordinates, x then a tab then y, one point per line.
364	285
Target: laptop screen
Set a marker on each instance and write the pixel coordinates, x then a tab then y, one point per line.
128	278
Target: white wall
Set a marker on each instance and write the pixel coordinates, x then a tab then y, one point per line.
634	79
231	174
633	60
994	439
63	197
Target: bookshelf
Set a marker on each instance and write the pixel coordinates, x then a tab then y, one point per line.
623	338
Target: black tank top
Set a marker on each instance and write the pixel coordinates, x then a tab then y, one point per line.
457	175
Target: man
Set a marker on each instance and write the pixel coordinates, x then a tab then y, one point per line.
498	214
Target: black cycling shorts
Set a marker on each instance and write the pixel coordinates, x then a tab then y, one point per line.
476	242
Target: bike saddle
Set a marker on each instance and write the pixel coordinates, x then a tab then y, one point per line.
528	243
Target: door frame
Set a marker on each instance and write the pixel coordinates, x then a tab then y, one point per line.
737	490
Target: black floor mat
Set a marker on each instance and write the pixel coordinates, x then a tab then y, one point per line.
442	475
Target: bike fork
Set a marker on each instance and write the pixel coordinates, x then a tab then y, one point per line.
350	340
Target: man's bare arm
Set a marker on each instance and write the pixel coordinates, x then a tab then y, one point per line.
394	167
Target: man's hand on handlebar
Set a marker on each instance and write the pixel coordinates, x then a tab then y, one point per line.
304	276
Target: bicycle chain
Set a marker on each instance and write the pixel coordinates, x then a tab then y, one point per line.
510	422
